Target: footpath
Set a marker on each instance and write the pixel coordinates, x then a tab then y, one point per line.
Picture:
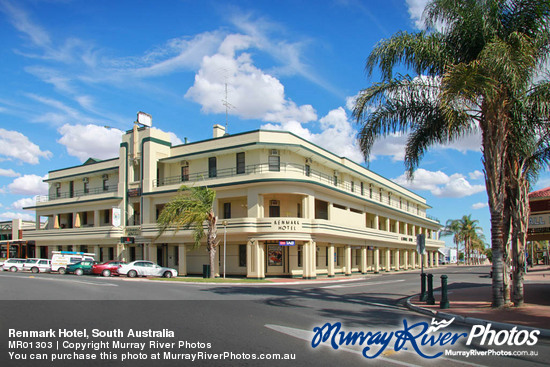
472	305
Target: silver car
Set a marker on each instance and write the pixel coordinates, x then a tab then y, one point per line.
13	264
38	265
146	268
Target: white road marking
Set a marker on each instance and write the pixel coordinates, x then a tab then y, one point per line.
362	284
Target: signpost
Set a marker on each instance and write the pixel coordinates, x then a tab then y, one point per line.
421	249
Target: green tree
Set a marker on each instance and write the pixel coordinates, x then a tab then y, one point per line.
192	208
452	228
464	230
469	72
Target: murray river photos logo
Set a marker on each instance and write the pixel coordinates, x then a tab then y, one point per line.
421	337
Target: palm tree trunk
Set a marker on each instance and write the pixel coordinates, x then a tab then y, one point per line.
211	243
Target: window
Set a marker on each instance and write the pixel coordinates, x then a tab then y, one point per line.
274	163
226	210
240	163
300	256
362	189
185	173
380	194
308	170
58	191
335	180
212	170
274	211
352	186
137	171
370	191
321	209
71	189
105	184
326	259
107	216
340	255
299	210
86	187
242	255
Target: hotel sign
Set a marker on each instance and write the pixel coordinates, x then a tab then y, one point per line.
286	225
287	243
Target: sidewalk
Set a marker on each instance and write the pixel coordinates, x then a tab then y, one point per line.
472	305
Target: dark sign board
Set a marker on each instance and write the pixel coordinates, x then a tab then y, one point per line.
287	243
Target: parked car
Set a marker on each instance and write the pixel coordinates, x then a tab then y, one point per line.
107	268
146	268
13	264
38	265
80	268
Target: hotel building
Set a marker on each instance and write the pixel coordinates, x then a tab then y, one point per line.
286	207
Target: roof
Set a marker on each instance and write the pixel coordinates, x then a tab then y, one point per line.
540	193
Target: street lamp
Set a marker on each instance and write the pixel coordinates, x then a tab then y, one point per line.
224	244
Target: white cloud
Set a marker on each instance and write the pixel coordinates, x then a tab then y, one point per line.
21	22
8	173
252	93
22	203
476	175
13	215
29	185
479	206
440	184
337	134
416	8
174	139
90	141
16	145
392	145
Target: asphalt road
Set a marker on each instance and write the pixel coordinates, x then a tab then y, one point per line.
245	320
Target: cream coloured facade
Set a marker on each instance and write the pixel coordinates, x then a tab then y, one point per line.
286	206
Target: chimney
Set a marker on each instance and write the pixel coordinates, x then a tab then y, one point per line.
219	131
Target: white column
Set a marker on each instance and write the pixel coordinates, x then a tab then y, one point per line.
396	259
376	260
347	259
364	260
388	259
331	260
182	259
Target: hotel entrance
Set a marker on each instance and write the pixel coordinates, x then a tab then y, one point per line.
277	257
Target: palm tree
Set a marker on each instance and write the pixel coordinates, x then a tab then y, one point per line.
190	209
469	74
452	228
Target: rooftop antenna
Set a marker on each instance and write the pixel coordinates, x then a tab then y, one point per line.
227	105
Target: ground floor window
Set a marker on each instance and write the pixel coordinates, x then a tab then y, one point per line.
242	255
300	256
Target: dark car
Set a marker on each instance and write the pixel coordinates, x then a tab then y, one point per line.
81	267
107	268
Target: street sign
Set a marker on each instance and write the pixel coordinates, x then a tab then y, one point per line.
421	244
126	240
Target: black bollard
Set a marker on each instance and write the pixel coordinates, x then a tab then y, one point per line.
444	303
422	287
430	300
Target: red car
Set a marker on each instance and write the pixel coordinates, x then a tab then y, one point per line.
107	268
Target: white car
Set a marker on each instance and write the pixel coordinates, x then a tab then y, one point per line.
38	265
13	264
146	268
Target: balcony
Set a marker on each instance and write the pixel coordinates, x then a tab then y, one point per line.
76	194
292	169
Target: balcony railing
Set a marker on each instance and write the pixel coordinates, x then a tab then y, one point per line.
297	169
76	194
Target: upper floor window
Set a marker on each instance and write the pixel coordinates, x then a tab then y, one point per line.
362	189
105	183
274	163
308	170
352	186
212	167
241	168
86	187
335	180
185	173
226	210
58	190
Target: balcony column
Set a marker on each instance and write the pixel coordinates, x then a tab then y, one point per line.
388	229
182	259
331	260
96	218
376	260
376	222
329	211
388	259
405	260
347	259
406	228
396	259
308	205
364	258
397	226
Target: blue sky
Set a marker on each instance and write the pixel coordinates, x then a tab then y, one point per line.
70	68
